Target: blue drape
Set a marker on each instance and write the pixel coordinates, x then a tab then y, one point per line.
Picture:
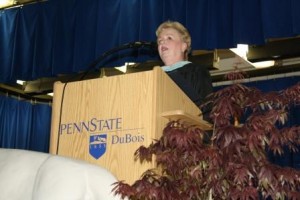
57	37
24	125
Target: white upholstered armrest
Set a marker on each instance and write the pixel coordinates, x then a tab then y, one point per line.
40	176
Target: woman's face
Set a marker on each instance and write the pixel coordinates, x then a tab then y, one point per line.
171	48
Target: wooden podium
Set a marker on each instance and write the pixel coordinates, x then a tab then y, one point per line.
105	120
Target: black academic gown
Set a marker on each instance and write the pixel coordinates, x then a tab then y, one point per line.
195	81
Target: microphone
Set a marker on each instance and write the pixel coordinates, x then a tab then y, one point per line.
130	45
149	44
139	44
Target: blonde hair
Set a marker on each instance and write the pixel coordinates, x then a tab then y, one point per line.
185	35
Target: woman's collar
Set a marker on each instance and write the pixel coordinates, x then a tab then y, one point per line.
175	66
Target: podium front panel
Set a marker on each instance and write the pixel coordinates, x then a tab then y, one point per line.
104	121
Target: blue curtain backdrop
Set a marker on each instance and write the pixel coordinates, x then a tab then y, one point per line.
57	37
24	125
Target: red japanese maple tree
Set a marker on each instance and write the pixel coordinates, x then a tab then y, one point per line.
229	162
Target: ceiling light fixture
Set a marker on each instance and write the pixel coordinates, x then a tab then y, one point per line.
20	82
6	3
263	64
124	67
242	50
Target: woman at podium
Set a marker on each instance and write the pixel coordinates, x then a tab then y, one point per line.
174	45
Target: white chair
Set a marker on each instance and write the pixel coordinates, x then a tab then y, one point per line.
29	175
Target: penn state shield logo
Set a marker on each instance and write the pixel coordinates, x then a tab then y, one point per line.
97	145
